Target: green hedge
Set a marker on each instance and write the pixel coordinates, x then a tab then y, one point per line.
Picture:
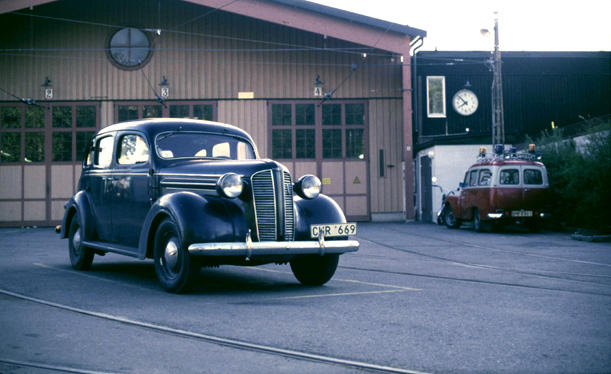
579	176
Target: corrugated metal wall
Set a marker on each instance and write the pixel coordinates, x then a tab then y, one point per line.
214	57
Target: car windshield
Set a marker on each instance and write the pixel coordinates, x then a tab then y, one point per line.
178	144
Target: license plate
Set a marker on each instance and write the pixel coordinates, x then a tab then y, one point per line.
329	231
522	213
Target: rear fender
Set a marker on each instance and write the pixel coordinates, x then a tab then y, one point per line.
198	219
79	203
321	210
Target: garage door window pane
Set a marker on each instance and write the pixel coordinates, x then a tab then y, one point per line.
62	146
34	146
62	117
332	114
128	112
10	117
151	111
332	144
355	143
355	114
10	147
82	139
282	115
34	117
202	112
304	114
282	146
85	116
179	111
306	142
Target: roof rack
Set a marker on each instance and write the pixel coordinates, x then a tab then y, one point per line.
500	154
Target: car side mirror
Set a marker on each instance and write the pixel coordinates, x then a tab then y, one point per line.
460	185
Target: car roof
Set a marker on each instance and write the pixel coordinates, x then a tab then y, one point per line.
154	126
506	162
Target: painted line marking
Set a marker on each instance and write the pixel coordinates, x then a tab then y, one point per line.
339	294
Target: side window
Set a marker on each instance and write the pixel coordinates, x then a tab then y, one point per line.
473	178
533	176
484	177
132	150
509	177
90	153
103	152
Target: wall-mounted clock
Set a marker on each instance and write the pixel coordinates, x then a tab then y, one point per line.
465	102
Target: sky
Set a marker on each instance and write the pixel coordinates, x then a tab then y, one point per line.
524	25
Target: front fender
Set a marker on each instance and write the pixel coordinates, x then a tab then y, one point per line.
198	219
454	203
80	204
321	210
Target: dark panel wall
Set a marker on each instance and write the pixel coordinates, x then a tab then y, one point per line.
538	88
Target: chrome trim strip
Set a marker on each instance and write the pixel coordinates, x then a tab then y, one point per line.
247	249
189	184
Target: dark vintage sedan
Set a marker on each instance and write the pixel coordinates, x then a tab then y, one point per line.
192	194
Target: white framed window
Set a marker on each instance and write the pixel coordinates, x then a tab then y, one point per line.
436	96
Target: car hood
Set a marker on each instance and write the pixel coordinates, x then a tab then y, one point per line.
194	168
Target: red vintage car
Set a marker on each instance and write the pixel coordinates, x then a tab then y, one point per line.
499	189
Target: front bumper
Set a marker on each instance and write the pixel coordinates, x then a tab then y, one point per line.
249	249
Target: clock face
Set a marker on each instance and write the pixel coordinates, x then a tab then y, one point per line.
465	102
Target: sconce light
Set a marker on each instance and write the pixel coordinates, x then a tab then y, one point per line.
318	87
431	154
47	82
165	90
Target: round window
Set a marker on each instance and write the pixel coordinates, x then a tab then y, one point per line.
129	48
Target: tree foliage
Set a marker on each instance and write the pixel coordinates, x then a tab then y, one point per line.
579	176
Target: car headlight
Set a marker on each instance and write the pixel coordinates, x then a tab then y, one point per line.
307	187
230	185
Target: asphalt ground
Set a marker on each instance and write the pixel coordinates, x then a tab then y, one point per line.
415	298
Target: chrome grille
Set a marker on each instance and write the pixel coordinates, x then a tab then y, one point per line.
289	212
265	205
267	200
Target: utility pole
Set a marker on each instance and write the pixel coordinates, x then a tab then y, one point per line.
498	121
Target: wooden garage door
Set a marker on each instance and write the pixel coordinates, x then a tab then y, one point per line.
328	140
41	150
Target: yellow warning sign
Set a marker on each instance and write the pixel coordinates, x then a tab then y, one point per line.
356	181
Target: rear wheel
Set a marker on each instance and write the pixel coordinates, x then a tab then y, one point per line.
314	270
174	266
451	221
478	225
81	257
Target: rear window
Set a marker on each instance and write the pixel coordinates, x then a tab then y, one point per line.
533	176
509	177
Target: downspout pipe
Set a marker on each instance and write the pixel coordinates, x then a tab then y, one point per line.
415	91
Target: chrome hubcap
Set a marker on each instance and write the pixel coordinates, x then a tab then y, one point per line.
76	241
171	253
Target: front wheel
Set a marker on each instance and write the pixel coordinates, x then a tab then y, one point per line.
314	270
451	220
81	257
173	264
